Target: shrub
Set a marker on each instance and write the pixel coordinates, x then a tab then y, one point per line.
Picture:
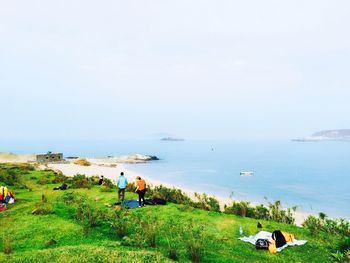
145	230
261	212
344	244
42	209
82	162
173	233
7	248
107	186
206	203
45	179
173	254
338	256
185	208
150	230
51	242
88	216
273	212
172	195
81	181
131	187
237	208
119	222
339	227
59	178
11	177
12	174
70	198
195	241
7	245
313	224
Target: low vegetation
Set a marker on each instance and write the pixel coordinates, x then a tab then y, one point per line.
324	227
273	212
82	223
82	162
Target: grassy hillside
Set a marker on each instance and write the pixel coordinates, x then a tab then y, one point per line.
80	225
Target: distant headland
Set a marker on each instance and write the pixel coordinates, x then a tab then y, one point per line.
172	139
327	135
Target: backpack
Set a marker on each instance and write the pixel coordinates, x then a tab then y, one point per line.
278	236
262	244
159	201
3	192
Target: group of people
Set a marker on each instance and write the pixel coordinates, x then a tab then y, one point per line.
122	183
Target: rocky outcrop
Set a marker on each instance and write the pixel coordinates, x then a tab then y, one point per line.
327	135
172	139
128	159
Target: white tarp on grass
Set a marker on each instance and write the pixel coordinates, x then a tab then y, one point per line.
268	235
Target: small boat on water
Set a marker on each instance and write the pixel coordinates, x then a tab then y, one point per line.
246	173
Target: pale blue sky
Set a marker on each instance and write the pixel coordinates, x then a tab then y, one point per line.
194	69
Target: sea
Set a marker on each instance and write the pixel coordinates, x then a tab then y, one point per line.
314	176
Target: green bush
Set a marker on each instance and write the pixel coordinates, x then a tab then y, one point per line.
339	227
13	176
131	187
7	244
119	222
70	198
80	181
144	229
261	212
344	244
60	178
238	208
173	233
273	212
172	195
313	224
43	207
195	241
107	185
87	215
44	180
206	203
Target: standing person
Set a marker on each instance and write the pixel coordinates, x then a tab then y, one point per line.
141	190
122	183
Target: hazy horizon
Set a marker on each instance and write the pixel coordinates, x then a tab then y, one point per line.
113	70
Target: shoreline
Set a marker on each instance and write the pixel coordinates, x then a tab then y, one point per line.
113	173
111	169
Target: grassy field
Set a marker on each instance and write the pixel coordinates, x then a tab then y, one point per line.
61	231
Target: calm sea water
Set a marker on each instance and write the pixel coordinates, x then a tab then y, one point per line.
314	176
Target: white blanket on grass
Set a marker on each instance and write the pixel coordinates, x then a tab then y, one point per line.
267	235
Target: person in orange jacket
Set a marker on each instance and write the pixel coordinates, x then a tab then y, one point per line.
141	190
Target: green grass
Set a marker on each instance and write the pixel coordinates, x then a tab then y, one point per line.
28	234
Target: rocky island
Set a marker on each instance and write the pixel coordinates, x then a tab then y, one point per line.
172	139
327	135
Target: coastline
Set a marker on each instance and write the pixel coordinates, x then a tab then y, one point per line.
112	173
111	170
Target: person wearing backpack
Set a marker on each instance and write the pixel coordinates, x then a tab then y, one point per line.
121	183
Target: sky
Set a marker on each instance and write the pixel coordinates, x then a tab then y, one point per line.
245	70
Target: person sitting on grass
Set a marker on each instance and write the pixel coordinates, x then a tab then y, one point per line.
101	180
141	190
122	183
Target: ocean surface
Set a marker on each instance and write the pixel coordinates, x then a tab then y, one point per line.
315	176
